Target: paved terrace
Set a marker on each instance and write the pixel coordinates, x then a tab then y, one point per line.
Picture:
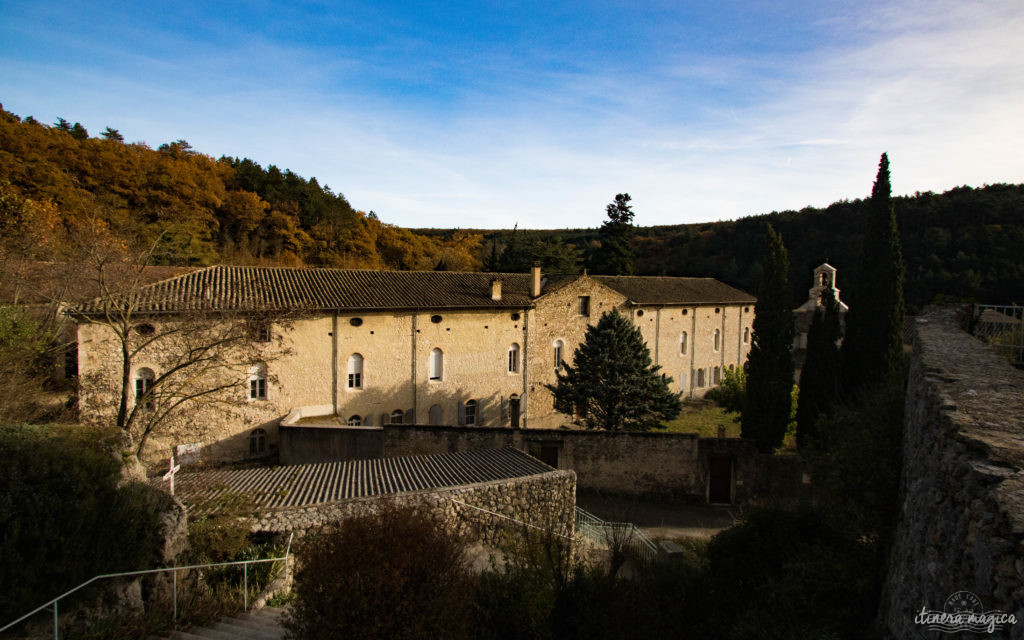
303	485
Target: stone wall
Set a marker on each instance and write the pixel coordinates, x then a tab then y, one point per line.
660	465
961	527
547	501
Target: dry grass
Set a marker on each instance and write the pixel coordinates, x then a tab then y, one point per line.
704	418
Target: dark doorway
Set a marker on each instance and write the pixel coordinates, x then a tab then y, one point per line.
720	480
546	452
513	411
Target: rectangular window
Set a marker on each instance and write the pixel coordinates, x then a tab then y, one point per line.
470	414
258	389
355	381
513	361
585	306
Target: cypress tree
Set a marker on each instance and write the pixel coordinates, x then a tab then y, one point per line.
770	373
820	380
611	383
615	255
873	348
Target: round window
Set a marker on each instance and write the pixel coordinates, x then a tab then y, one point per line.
436	319
640	313
145	329
355	322
515	316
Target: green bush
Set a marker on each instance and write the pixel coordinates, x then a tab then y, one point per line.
64	516
397	575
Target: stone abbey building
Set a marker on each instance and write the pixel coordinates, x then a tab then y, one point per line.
377	348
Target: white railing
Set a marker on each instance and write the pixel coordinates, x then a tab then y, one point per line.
1002	327
626	534
174	572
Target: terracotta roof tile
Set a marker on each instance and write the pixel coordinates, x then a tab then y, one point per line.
222	288
669	290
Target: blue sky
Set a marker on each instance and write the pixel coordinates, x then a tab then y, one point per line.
487	114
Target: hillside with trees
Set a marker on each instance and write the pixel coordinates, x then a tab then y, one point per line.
961	244
55	179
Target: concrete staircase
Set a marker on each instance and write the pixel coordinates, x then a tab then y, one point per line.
260	624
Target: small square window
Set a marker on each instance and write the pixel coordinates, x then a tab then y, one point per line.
585	306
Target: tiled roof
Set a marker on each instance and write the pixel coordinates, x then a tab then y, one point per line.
308	484
222	288
278	288
668	290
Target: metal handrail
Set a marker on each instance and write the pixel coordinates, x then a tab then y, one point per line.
637	541
245	587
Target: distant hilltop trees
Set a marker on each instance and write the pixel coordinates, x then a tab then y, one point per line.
963	244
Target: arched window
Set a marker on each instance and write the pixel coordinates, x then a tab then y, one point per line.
470	409
436	364
355	371
513	358
746	335
355	421
682	381
257	441
144	379
397	416
700	378
258	382
718	338
682	344
559	359
716	377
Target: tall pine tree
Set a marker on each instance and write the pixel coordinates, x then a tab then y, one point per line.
611	383
873	348
821	378
615	255
770	373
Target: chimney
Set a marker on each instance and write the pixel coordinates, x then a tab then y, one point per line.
496	290
535	284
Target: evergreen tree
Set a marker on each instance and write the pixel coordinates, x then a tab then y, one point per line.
612	384
615	255
770	373
821	378
112	134
873	348
62	125
78	132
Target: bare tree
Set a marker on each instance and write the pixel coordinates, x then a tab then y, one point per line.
171	362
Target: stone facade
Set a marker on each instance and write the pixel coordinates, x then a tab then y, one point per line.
310	357
961	527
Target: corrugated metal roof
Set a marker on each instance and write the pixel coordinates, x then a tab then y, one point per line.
310	484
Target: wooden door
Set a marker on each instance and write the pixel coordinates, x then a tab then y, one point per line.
720	480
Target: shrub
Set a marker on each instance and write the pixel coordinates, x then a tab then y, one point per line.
64	516
398	574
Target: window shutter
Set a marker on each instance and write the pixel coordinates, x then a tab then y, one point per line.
462	414
480	412
385	419
368	420
504	410
410	417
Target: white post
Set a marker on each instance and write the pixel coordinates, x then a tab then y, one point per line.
175	468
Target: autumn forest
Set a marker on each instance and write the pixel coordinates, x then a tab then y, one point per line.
55	179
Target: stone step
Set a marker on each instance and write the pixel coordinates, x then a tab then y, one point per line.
263	624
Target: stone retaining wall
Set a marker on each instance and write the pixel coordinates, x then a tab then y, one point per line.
547	501
961	526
